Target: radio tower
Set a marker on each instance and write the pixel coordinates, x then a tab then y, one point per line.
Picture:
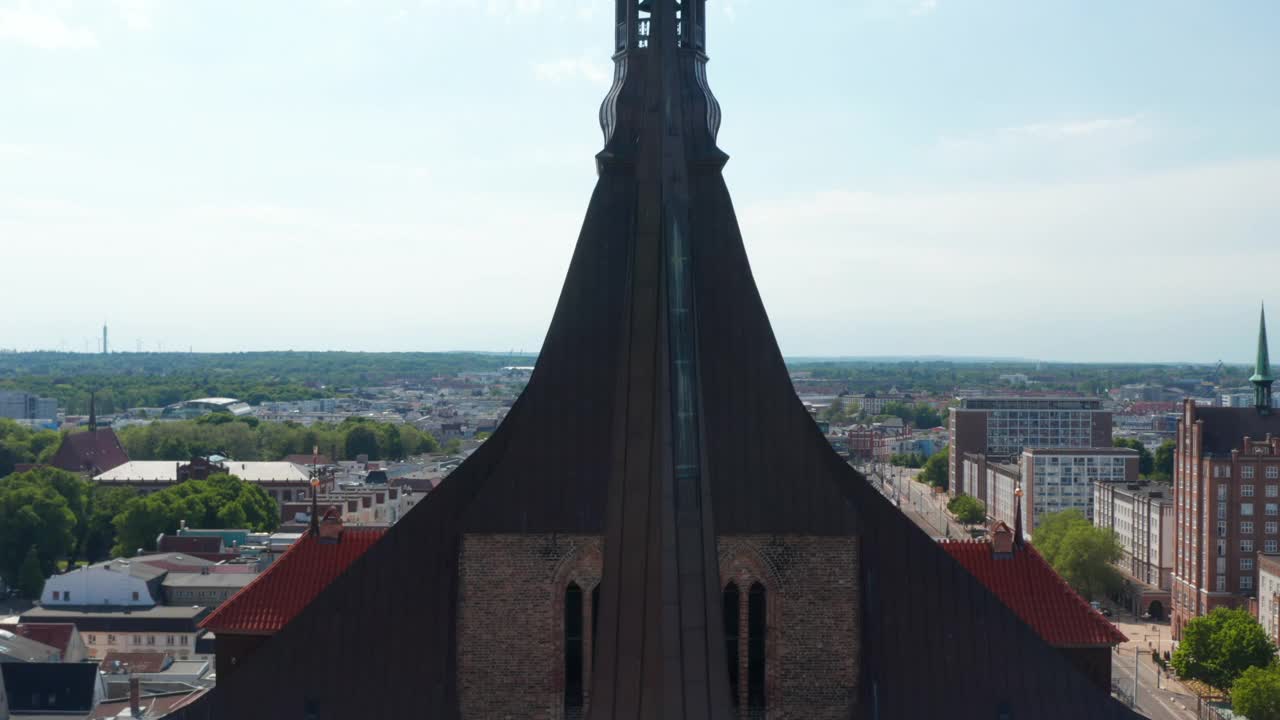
104	339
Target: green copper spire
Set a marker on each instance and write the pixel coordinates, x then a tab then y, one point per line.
1262	378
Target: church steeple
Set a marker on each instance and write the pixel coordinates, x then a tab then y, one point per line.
1262	378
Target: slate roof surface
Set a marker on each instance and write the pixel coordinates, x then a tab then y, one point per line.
15	648
290	583
52	688
161	618
1225	428
1030	587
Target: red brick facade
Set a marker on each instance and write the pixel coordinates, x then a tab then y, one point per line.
511	621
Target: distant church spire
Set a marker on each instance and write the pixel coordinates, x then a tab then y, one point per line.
1262	378
93	412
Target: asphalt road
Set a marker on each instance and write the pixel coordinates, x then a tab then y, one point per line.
1169	702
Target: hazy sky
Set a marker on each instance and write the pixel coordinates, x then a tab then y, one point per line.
1064	180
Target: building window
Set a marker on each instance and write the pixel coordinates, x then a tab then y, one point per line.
135	595
1246	491
1246	582
1271	546
1273	490
755	648
1273	472
1222	583
151	639
731	599
92	639
1222	492
55	594
1246	563
1246	528
1246	509
111	639
182	640
1270	527
573	647
168	640
1246	473
137	639
1246	546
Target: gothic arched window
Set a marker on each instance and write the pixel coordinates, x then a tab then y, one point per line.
573	647
755	647
731	615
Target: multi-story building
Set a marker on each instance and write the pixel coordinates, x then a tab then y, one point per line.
1001	427
25	406
1057	479
1226	493
1141	514
1269	595
171	629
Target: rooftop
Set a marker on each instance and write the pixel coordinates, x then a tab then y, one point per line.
1036	594
167	471
55	635
201	580
277	595
138	662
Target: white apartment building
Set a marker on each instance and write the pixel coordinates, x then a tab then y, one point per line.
1269	594
1057	479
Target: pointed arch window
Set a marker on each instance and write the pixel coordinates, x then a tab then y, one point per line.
595	621
756	626
732	601
573	684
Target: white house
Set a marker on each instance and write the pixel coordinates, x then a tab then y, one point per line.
116	583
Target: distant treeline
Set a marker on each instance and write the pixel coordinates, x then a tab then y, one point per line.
125	380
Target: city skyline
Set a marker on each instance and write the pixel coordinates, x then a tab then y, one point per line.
260	179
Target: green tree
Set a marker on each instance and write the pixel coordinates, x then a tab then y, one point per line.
1217	648
935	469
30	575
453	447
105	504
362	440
1082	554
221	501
1256	694
967	509
32	513
1163	460
1146	463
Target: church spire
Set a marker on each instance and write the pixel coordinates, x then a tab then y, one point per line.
1262	378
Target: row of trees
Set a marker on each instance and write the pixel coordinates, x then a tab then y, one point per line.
967	509
1229	650
935	469
48	516
1157	465
247	439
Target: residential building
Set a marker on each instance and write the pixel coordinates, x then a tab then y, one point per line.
63	637
209	589
1004	426
171	629
1021	577
1269	595
113	583
1057	479
1226	493
1141	514
15	648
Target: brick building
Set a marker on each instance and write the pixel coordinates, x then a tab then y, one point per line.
658	529
1001	427
1226	493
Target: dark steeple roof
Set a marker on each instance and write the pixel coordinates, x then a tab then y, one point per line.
660	415
1262	378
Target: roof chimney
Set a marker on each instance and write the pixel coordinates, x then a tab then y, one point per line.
135	697
331	526
1001	540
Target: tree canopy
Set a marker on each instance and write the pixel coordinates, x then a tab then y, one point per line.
1146	462
1256	694
20	444
247	439
1162	465
967	509
221	501
1084	555
34	514
1219	647
935	469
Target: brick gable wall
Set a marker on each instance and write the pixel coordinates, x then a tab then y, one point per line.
511	616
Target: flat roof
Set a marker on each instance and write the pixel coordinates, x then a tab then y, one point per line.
212	580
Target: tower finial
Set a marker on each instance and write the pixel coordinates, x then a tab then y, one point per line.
1262	378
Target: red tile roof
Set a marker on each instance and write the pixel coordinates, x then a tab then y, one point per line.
94	450
55	635
1037	594
289	585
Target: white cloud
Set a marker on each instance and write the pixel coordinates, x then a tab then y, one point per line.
136	13
1080	129
570	69
45	31
924	7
